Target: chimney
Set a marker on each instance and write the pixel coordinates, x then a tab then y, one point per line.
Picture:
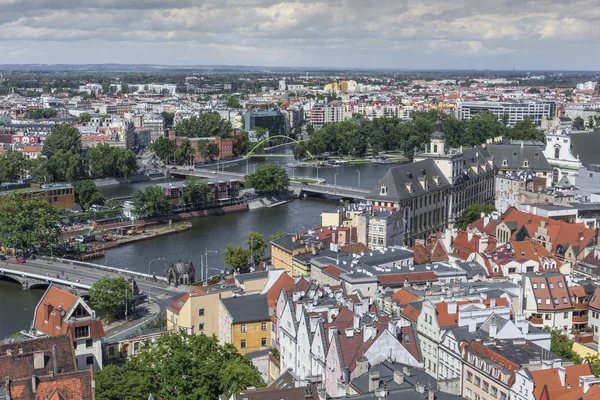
562	373
492	303
493	331
398	377
486	220
406	371
469	236
525	328
420	388
373	381
431	395
33	383
472	325
483	242
482	215
356	324
349	332
452	307
332	329
54	362
362	366
294	238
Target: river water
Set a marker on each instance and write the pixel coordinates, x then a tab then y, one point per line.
211	233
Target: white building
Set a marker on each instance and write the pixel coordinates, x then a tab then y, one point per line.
536	110
565	166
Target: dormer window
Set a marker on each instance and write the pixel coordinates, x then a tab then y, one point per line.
504	163
526	164
383	191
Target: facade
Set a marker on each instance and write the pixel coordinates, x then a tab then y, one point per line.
246	323
512	158
558	153
156	125
535	110
285	248
588	178
62	313
59	195
322	114
274	121
547	301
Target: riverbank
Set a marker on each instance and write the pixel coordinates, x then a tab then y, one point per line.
147	232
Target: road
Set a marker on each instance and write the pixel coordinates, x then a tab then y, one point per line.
160	293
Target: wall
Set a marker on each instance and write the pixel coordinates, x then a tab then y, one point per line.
253	336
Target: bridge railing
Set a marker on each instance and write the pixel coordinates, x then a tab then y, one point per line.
105	268
5	271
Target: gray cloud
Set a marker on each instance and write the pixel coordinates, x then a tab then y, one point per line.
537	34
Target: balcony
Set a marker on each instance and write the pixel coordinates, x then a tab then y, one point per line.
536	321
580	319
582	306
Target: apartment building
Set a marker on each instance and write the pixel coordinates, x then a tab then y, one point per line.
547	301
245	322
535	110
58	195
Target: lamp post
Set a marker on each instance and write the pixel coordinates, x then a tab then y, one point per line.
221	271
293	174
156	259
335	182
358	172
206	262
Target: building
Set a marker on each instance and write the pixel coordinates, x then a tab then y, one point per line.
535	110
588	178
509	158
198	311
558	153
514	189
246	323
274	121
225	146
181	273
58	195
285	248
62	313
322	114
156	124
547	301
43	368
470	171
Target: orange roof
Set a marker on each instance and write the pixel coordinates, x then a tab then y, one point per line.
595	300
334	271
463	246
411	313
283	282
179	303
404	296
533	250
400	278
551	379
447	319
56	300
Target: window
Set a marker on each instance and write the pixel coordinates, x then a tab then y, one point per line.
407	338
560	285
263	342
486	387
548	317
494	391
477	381
75	345
469	376
89	343
89	360
551	286
468	393
243	344
535	285
566	315
200	327
564	300
539	301
264	326
542	286
243	328
82	331
547	302
201	312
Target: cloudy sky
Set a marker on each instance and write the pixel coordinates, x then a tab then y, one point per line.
496	34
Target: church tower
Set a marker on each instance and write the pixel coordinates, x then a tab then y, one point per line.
438	141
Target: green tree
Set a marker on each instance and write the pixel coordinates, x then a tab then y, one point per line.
39	170
236	257
578	124
111	294
590	123
207	125
41	113
164	148
484	126
232	102
195	192
83	117
169	118
64	165
277	235
13	166
525	130
63	137
269	179
181	366
184	153
310	130
124	383
472	213
594	362
151	201
105	160
256	246
241	143
27	221
87	193
562	346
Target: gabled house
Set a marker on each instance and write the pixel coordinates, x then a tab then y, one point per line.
60	312
546	300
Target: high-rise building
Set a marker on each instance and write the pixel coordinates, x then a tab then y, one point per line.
535	110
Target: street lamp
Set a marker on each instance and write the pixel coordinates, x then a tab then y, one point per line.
156	259
335	182
293	174
358	172
206	262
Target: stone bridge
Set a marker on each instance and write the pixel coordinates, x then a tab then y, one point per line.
29	280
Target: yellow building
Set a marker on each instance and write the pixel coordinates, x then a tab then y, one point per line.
342	86
285	248
199	310
252	282
245	323
60	196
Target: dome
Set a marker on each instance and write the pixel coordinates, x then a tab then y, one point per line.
438	134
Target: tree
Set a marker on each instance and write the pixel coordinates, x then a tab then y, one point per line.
184	153
277	235
151	201
232	102
13	166
207	125
578	124
256	246
590	123
111	294
105	160
269	179
64	165
41	113
164	148
594	362
472	213
562	346
213	150
525	130
310	130
236	257
169	118
180	366
63	137
83	117
195	192
241	143
87	193
27	220
39	170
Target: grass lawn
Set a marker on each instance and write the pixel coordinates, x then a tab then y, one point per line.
311	181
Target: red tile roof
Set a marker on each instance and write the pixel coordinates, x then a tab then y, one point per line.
333	271
404	296
179	303
552	291
551	379
434	251
410	277
463	246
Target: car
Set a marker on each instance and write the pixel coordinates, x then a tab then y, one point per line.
173	167
190	169
304	183
20	260
2	257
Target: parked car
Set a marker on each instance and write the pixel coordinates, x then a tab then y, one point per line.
20	260
2	257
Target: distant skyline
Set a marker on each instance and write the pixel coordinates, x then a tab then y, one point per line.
401	34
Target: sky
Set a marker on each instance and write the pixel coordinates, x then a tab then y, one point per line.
403	34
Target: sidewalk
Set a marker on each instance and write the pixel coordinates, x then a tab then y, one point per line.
121	328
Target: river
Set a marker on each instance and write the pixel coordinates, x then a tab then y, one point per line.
211	233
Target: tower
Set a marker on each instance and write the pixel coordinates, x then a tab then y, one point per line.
438	140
